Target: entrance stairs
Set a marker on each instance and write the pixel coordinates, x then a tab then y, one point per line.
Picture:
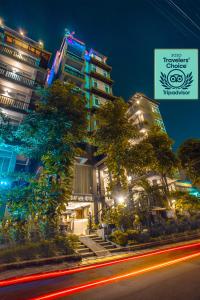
91	246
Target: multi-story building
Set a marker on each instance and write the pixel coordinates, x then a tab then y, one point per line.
89	71
144	112
23	67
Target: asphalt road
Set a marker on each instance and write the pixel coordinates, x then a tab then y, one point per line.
172	282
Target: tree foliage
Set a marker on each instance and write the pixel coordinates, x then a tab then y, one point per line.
189	155
50	134
113	138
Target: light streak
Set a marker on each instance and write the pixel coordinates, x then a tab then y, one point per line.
53	274
92	284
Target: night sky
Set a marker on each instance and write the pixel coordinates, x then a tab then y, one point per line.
127	31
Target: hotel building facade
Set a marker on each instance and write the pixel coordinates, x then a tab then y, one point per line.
23	67
89	71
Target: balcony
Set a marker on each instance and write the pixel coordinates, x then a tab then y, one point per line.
19	79
20	57
101	77
74	73
15	104
102	93
101	64
75	57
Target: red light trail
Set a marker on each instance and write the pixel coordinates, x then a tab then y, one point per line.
53	274
96	283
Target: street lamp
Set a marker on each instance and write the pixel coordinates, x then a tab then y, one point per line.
120	199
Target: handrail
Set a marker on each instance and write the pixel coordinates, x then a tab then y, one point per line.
7	101
14	76
17	55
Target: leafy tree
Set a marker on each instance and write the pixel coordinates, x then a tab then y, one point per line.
189	155
113	138
186	202
165	162
50	134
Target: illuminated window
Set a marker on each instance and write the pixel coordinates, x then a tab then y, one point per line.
107	89
95	84
96	101
105	73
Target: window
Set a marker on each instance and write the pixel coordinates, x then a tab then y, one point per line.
96	101
107	89
105	74
94	69
155	109
95	84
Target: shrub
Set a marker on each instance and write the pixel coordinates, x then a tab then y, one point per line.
66	244
171	227
183	224
132	234
143	237
156	231
119	237
195	222
40	249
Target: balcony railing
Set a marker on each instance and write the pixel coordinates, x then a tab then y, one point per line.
15	54
103	78
14	103
74	57
74	73
16	77
102	93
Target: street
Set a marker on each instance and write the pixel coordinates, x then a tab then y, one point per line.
174	274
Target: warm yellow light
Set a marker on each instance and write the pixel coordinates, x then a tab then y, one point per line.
41	43
1	22
21	32
138	101
129	178
120	199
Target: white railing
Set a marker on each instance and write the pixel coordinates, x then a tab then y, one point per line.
7	101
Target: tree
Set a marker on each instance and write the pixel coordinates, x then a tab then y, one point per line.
189	155
186	202
113	138
50	134
165	162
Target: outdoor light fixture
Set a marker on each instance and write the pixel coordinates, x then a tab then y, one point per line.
41	43
138	101
1	22
129	178
6	93
120	199
21	32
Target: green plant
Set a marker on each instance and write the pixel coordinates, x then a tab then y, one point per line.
143	237
132	234
119	237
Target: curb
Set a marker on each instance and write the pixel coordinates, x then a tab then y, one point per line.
40	262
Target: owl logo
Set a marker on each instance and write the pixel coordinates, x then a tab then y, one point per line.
176	79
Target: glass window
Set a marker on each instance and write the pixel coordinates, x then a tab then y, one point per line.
94	69
96	101
107	89
95	84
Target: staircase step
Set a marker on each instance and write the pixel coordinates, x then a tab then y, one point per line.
108	247
88	254
82	247
115	250
86	250
105	243
97	239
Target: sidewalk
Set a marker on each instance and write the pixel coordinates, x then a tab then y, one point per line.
84	262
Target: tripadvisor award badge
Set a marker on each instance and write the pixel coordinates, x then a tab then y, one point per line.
176	74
